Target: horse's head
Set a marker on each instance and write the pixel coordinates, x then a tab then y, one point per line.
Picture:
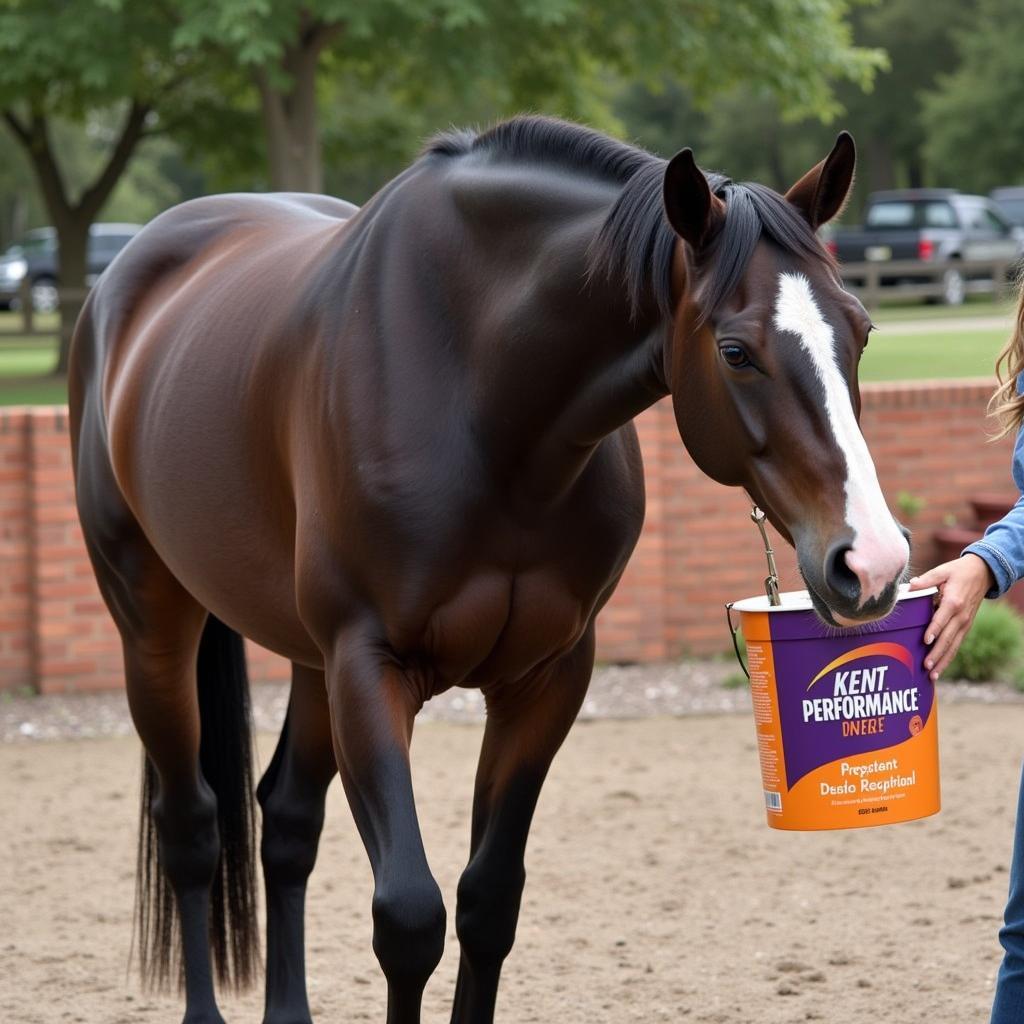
763	371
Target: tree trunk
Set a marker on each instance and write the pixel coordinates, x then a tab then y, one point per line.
880	164
290	122
293	148
915	171
776	163
72	267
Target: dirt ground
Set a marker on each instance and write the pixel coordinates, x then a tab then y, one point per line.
655	890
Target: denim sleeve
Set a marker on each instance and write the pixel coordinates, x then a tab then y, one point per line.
1002	547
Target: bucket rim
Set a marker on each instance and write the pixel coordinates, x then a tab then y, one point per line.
800	600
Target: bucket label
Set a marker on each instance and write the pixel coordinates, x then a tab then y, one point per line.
868	698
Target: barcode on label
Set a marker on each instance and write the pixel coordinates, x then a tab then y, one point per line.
772	800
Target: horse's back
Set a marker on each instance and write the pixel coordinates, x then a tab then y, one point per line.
195	268
190	235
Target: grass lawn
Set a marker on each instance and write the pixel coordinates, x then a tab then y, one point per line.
926	356
25	372
26	364
33	390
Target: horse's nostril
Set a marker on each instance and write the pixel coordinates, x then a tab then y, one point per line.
839	576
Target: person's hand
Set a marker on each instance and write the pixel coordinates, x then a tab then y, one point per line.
962	585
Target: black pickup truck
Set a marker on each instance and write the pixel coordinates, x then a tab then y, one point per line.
928	226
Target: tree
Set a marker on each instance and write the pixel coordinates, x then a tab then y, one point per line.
920	38
519	53
107	64
751	133
19	206
975	115
744	134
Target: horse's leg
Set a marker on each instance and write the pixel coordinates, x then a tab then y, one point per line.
523	733
292	794
160	626
373	706
161	686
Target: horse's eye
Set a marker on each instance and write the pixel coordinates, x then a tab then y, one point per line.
734	356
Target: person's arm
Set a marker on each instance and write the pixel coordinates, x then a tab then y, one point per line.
1002	550
986	568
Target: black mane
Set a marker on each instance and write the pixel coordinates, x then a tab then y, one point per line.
636	242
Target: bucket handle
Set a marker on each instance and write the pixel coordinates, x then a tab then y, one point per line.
734	632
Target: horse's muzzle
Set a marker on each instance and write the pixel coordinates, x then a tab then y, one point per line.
856	586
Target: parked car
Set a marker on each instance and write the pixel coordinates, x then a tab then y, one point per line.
1010	201
928	226
35	258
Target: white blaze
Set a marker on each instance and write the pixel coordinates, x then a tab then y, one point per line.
879	550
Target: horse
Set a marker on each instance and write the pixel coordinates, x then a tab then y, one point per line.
394	445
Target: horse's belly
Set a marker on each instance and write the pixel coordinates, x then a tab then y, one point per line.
500	627
253	593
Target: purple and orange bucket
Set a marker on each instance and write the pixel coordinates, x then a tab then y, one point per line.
846	719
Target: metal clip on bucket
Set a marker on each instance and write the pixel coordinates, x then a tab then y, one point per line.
771	582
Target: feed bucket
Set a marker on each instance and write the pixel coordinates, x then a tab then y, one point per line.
846	718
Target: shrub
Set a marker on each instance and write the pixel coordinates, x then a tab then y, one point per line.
992	645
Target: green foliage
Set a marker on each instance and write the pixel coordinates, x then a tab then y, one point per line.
557	51
753	134
397	70
56	58
975	118
910	504
991	647
393	72
1017	677
20	206
920	39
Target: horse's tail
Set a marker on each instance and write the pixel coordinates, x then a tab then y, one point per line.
225	756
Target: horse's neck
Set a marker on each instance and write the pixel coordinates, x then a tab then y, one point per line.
564	361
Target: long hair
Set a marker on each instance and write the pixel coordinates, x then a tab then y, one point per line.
1007	403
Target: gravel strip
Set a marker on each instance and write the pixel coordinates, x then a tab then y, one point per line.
635	691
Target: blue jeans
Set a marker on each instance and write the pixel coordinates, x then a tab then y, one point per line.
1009	1002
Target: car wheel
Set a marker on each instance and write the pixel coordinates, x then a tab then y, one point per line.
954	288
45	298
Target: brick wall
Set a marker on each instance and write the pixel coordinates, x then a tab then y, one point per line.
698	549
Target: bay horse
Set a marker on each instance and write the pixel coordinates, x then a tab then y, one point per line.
394	445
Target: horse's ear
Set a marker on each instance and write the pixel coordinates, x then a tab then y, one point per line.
822	192
691	208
